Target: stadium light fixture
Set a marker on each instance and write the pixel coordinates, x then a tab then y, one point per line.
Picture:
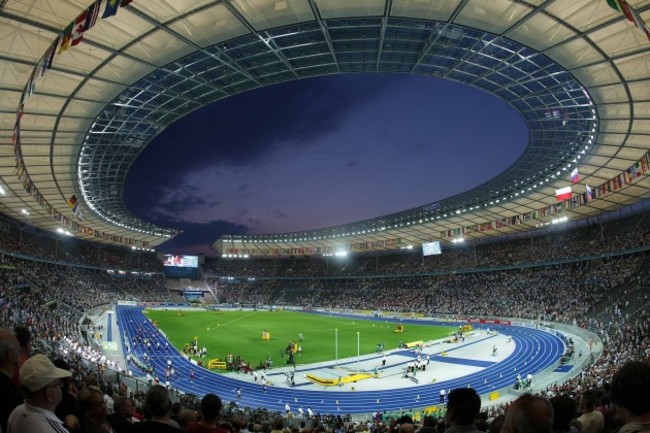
63	232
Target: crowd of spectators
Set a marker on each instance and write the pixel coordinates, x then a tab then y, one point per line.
607	295
566	292
63	249
535	247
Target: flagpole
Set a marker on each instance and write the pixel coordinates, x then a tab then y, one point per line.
336	346
358	351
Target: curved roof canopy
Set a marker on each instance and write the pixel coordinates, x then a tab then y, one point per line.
87	102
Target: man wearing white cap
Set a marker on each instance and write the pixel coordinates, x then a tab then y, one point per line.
41	382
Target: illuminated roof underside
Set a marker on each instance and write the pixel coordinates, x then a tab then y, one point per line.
576	71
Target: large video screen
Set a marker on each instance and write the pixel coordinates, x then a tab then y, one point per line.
181	260
180	266
431	248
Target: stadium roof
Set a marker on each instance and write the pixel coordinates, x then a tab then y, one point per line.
81	95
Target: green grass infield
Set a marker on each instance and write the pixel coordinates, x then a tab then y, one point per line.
326	338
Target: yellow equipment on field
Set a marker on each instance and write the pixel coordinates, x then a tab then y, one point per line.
340	380
216	363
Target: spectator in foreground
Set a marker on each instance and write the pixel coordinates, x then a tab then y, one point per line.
211	407
9	365
185	417
429	424
591	420
463	407
529	414
93	409
158	404
564	411
630	392
25	340
67	411
122	420
43	388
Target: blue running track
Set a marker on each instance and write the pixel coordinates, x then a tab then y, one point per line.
534	351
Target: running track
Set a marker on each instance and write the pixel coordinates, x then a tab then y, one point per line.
534	352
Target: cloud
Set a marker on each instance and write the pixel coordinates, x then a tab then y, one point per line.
184	202
195	236
170	204
311	154
277	213
243	129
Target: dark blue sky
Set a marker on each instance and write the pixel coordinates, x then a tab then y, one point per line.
320	152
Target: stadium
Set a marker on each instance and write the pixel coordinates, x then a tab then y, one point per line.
537	278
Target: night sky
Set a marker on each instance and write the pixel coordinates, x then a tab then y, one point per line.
320	152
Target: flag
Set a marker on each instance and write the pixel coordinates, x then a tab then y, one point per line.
30	88
563	193
66	38
72	200
91	16
602	189
15	138
575	175
614	4
590	194
630	14
627	10
76	211
48	57
77	33
644	163
111	8
38	197
632	172
634	16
